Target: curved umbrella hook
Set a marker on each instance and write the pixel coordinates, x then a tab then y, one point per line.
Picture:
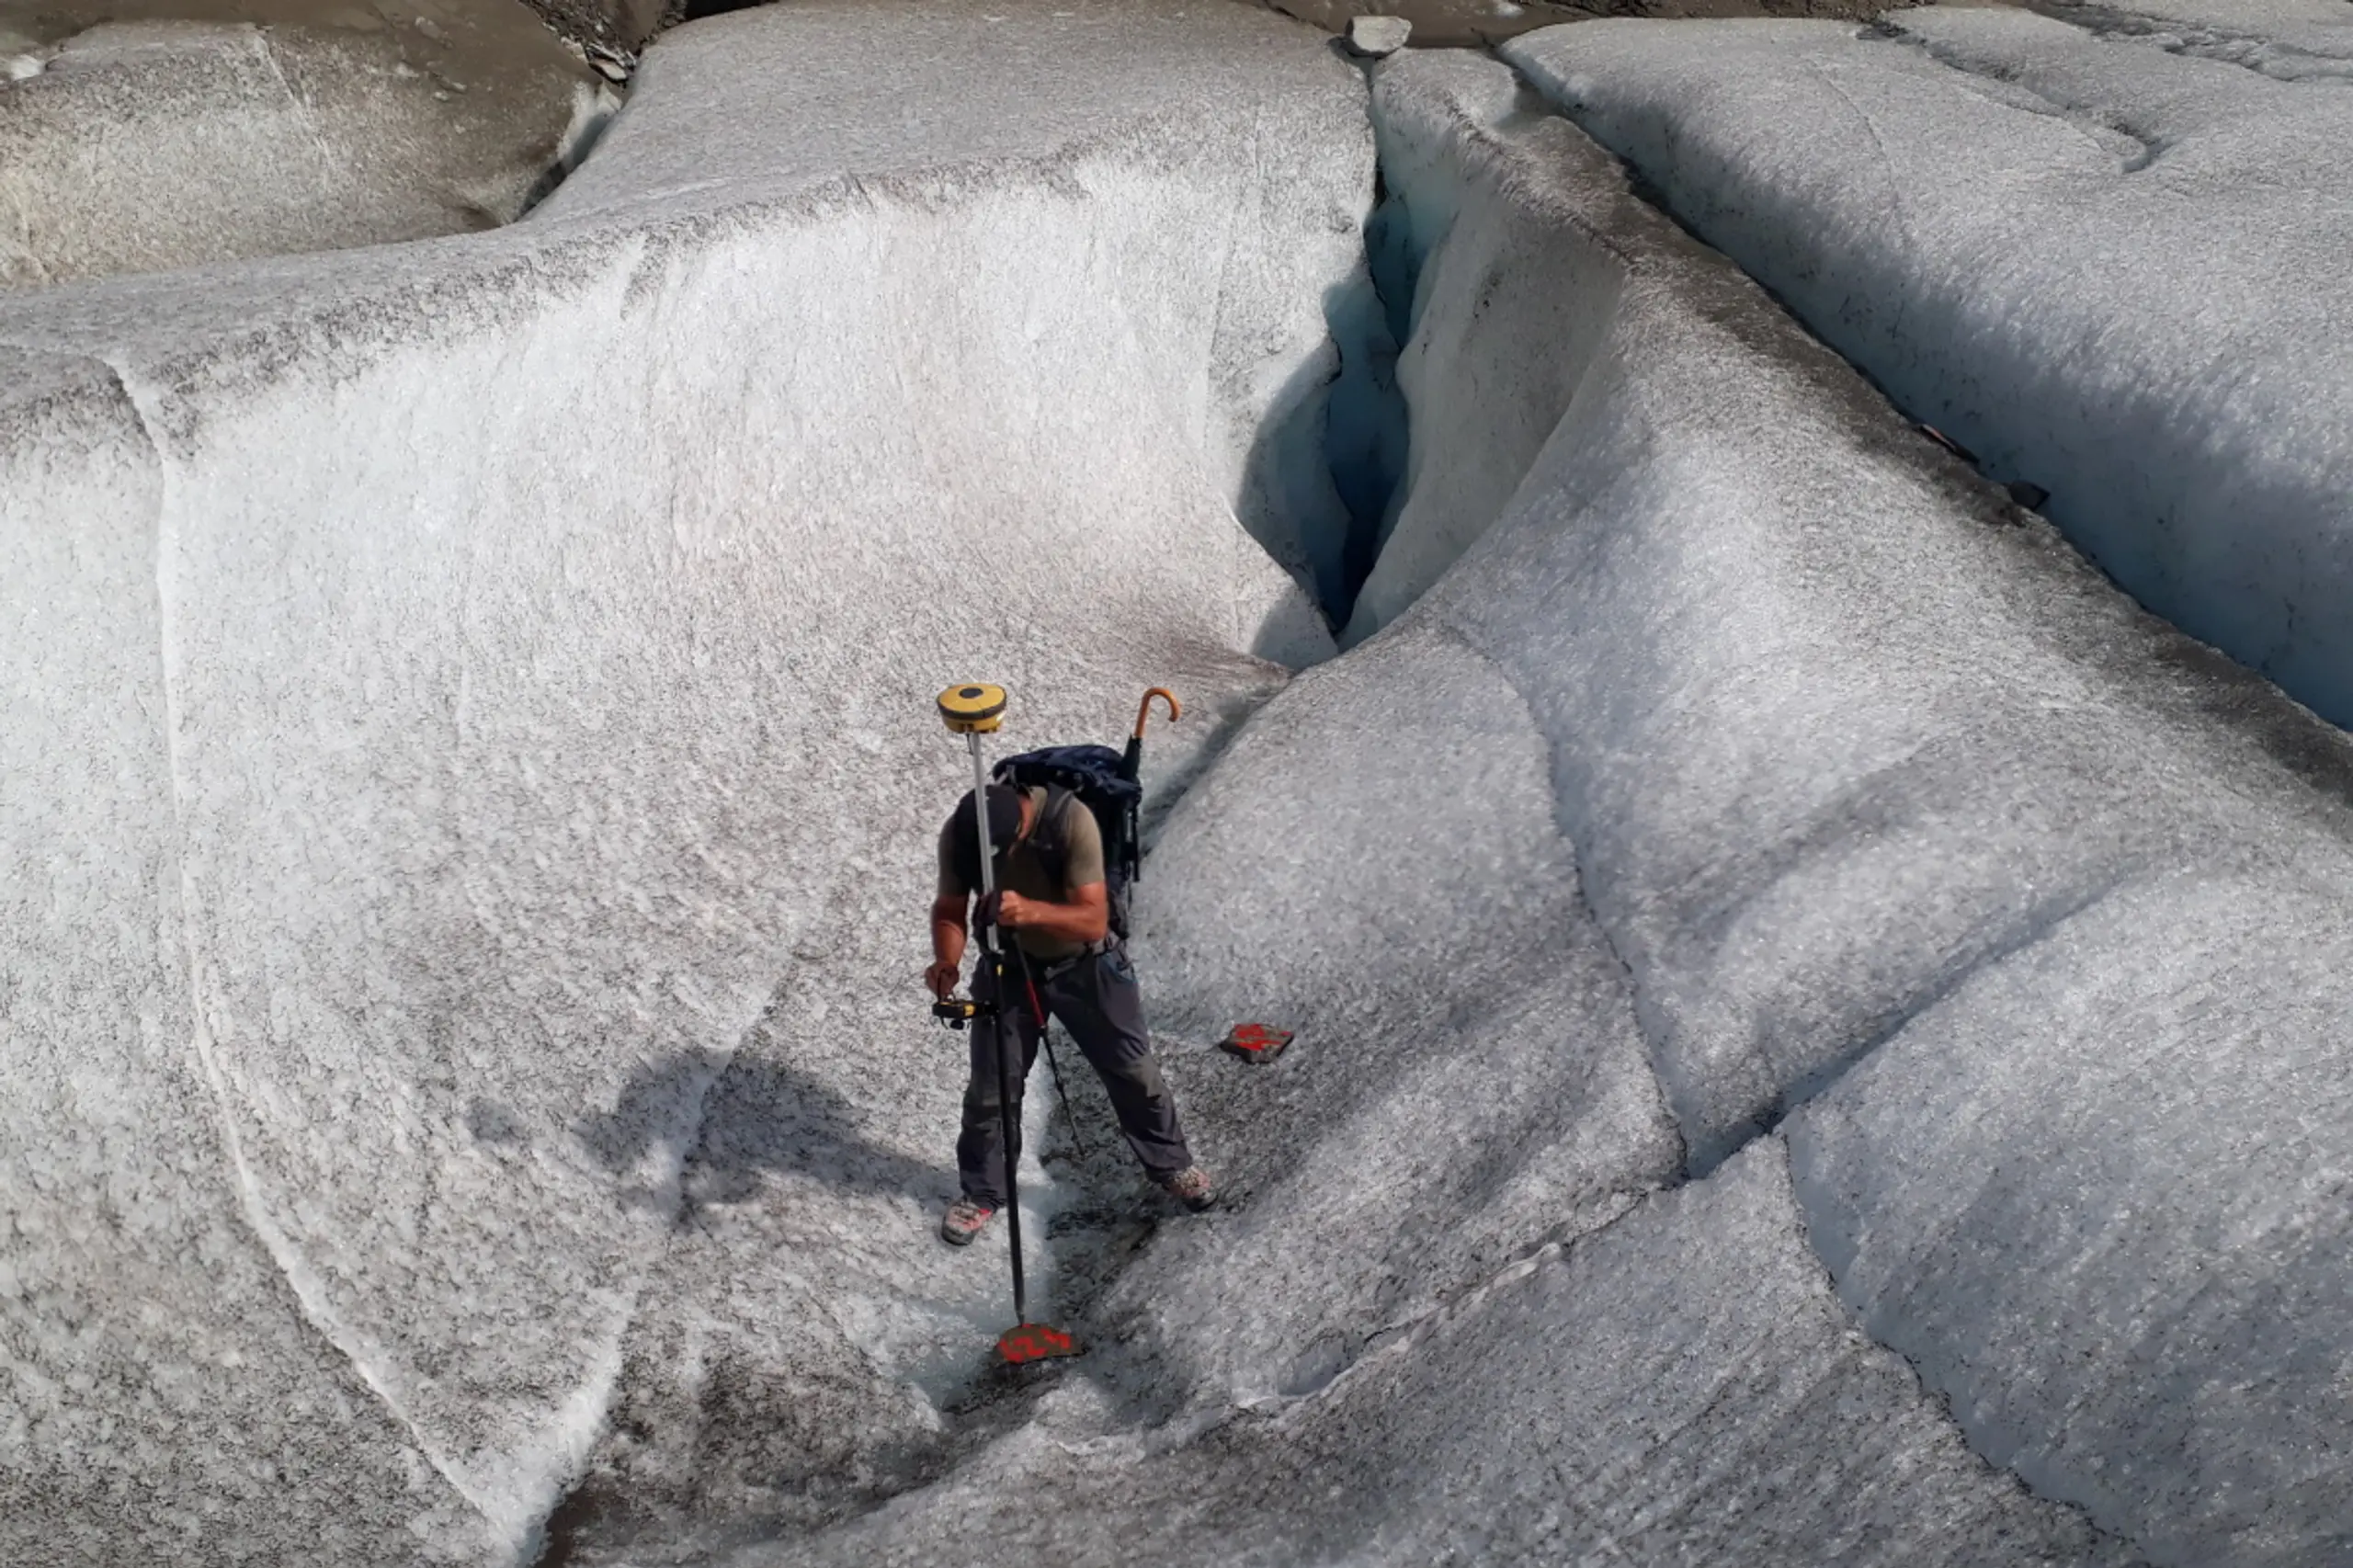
1144	710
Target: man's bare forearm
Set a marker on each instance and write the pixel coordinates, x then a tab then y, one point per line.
1084	919
948	931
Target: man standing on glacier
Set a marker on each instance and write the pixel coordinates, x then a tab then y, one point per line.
1054	900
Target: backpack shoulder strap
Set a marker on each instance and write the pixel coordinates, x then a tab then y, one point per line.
1048	841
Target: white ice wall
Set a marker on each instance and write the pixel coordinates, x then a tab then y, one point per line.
890	95
458	689
159	1386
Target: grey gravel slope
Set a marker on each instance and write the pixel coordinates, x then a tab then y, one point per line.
139	145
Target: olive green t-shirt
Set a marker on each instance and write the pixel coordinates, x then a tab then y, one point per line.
1022	872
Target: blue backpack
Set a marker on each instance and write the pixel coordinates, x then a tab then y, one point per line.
1102	782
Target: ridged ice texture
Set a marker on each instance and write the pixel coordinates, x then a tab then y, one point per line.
469	733
1680	1387
1857	755
1979	933
1986	210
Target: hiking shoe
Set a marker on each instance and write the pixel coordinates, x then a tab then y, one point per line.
965	1219
1192	1187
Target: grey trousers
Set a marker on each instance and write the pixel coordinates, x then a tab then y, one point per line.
1097	1000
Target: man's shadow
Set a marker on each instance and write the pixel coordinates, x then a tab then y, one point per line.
759	1117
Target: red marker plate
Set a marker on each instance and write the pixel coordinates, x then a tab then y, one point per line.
1255	1042
1034	1341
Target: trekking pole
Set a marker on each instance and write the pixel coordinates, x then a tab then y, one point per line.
972	711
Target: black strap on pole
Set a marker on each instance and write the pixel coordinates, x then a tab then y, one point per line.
1046	1039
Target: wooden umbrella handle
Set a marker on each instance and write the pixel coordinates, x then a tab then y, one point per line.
1144	710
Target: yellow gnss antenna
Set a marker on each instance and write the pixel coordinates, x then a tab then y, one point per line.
973	710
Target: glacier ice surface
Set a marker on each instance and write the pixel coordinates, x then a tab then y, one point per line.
1882	828
1984	209
1818	1018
